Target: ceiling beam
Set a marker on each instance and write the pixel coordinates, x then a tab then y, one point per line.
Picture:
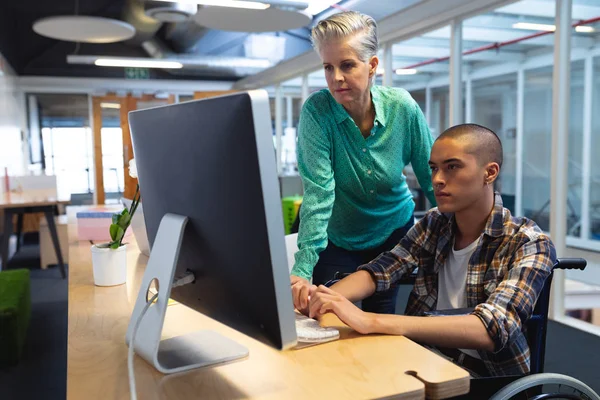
493	35
545	9
436	68
423	53
43	84
393	28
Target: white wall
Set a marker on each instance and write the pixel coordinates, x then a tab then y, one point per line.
13	152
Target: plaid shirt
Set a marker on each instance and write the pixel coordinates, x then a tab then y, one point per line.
506	273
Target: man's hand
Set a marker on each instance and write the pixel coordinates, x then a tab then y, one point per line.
325	300
301	289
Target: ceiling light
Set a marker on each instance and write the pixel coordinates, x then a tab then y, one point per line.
84	28
584	29
549	28
200	62
137	63
110	105
534	27
404	71
318	6
252	5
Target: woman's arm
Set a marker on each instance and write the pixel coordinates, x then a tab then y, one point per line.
314	165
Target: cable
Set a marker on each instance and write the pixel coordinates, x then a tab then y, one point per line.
183	279
133	392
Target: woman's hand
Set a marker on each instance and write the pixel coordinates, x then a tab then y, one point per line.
301	290
325	300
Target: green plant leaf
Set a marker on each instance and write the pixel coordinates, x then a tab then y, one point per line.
120	234
113	231
115	245
124	219
115	218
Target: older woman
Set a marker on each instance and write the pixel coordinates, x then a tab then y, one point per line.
354	140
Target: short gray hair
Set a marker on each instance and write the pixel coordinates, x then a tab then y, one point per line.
347	24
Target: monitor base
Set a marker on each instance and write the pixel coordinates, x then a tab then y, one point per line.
197	349
180	353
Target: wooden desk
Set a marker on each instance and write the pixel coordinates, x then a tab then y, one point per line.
354	367
31	201
30	198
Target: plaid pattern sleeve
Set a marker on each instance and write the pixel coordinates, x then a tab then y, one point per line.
512	303
391	266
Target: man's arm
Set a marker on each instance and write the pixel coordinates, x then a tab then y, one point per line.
465	331
356	286
389	267
386	269
462	332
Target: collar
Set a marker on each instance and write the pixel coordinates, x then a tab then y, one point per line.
340	114
494	226
378	104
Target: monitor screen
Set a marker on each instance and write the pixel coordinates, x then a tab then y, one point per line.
213	161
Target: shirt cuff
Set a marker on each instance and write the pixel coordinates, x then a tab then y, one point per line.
379	274
303	270
491	319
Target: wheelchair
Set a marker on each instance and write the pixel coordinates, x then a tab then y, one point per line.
546	386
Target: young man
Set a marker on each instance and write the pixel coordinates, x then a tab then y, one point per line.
470	252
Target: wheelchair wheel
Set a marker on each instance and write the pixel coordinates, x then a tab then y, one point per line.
546	386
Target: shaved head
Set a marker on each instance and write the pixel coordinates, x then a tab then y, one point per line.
480	141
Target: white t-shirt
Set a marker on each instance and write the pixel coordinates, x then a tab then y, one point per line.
452	281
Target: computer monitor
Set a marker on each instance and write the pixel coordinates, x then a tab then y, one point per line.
213	161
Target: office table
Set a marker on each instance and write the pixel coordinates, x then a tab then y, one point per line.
354	367
31	201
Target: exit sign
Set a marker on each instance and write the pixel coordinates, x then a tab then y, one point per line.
137	73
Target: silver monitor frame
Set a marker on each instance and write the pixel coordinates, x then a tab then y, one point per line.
206	348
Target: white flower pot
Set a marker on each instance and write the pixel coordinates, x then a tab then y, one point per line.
110	265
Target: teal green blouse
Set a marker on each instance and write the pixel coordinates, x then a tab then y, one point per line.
355	193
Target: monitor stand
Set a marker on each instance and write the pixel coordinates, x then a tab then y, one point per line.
181	353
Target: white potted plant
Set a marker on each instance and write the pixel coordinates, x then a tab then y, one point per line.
109	260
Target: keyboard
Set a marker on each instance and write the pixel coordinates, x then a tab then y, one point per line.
308	330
